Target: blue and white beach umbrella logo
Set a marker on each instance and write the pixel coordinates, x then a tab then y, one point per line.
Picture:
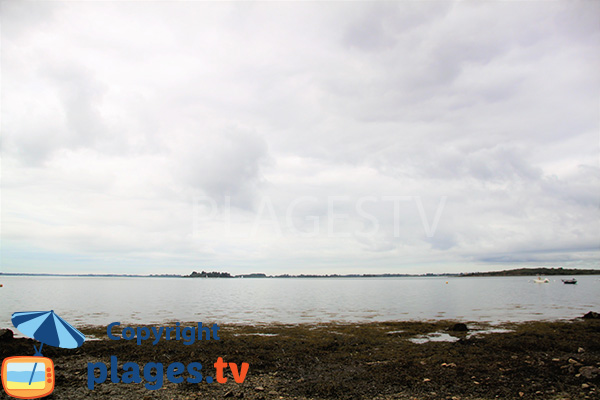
26	377
48	328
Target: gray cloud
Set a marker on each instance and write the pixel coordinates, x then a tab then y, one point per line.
222	164
117	116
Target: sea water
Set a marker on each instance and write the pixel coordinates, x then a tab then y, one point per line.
102	300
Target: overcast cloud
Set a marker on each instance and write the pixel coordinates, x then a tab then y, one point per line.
337	137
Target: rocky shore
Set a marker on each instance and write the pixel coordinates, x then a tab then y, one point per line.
391	360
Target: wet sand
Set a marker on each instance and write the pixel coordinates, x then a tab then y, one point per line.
393	360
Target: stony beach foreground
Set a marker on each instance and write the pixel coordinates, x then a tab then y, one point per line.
389	360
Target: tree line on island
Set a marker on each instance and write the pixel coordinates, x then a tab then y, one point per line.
511	272
536	271
216	274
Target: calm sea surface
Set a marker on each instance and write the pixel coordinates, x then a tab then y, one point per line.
99	301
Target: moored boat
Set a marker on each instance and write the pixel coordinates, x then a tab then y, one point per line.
540	280
569	281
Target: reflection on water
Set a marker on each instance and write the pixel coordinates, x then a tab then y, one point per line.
99	301
446	337
434	337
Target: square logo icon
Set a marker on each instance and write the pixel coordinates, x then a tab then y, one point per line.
25	377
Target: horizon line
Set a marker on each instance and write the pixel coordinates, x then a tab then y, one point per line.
286	275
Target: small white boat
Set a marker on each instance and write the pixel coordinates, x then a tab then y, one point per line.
540	280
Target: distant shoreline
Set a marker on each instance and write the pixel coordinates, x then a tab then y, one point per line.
512	272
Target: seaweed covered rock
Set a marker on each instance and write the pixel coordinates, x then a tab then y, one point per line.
589	372
592	315
5	335
460	327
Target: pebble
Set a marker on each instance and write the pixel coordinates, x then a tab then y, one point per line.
585	386
575	362
259	389
581	350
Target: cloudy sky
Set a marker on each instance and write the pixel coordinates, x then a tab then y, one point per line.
337	137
